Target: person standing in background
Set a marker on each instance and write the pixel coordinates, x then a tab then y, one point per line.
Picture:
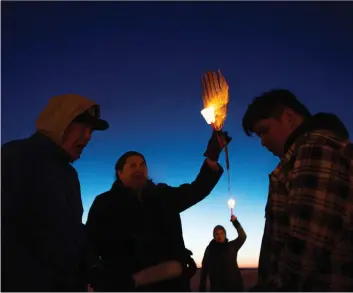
220	261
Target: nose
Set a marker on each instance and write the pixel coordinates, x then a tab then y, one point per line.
263	141
88	133
139	169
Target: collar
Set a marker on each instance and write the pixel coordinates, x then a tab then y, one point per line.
119	188
48	146
320	121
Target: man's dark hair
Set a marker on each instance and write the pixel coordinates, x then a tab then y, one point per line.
219	227
119	166
271	105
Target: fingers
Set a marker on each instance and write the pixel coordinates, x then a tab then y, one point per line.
204	90
216	82
208	85
222	81
212	84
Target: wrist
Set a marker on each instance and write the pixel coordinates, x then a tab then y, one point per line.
236	224
213	155
212	164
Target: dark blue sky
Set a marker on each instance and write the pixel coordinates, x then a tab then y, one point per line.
142	62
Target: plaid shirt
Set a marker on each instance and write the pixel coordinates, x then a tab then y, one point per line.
308	238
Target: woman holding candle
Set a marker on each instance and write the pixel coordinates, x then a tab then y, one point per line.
220	261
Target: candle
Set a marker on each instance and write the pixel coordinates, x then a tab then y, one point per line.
231	205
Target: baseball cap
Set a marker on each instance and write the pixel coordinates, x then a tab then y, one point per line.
91	117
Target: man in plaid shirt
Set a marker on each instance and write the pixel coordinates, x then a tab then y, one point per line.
308	238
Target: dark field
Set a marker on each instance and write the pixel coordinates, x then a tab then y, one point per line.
249	277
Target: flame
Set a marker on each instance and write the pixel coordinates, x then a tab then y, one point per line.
215	95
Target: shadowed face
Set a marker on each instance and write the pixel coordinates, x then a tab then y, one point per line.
134	173
219	235
76	137
275	132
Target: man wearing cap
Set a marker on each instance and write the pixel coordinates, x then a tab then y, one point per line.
44	247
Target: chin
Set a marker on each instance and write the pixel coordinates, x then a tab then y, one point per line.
75	157
138	186
142	185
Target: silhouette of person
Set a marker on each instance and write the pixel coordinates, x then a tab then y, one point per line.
137	223
307	241
220	261
44	244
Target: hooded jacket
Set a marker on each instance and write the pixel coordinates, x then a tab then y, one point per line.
307	243
220	264
44	246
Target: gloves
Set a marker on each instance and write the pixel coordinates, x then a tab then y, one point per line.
213	148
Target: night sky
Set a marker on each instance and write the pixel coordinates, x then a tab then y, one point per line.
142	62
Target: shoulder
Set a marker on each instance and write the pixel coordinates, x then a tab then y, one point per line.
207	252
18	155
162	186
323	161
322	145
100	207
102	199
15	148
323	138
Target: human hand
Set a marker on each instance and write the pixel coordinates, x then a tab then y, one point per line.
233	218
217	142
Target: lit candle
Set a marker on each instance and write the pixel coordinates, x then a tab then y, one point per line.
209	115
231	204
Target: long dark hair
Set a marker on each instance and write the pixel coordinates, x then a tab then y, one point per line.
119	166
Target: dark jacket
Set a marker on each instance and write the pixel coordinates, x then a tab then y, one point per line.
220	264
43	242
41	211
307	243
130	235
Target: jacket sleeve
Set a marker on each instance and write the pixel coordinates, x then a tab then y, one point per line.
22	269
187	195
204	270
89	259
316	210
106	244
239	241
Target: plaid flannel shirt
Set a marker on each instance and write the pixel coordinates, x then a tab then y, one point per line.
308	238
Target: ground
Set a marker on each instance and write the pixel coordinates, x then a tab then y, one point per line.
249	278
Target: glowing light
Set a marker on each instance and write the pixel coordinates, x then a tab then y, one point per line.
231	203
215	98
209	114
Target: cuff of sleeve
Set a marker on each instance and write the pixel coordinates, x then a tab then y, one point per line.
207	169
236	224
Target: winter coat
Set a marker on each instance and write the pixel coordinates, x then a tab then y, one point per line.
44	244
308	239
130	235
220	264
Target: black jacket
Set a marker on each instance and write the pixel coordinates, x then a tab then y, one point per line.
130	235
220	264
43	239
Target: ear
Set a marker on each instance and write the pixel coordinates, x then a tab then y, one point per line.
288	115
119	174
